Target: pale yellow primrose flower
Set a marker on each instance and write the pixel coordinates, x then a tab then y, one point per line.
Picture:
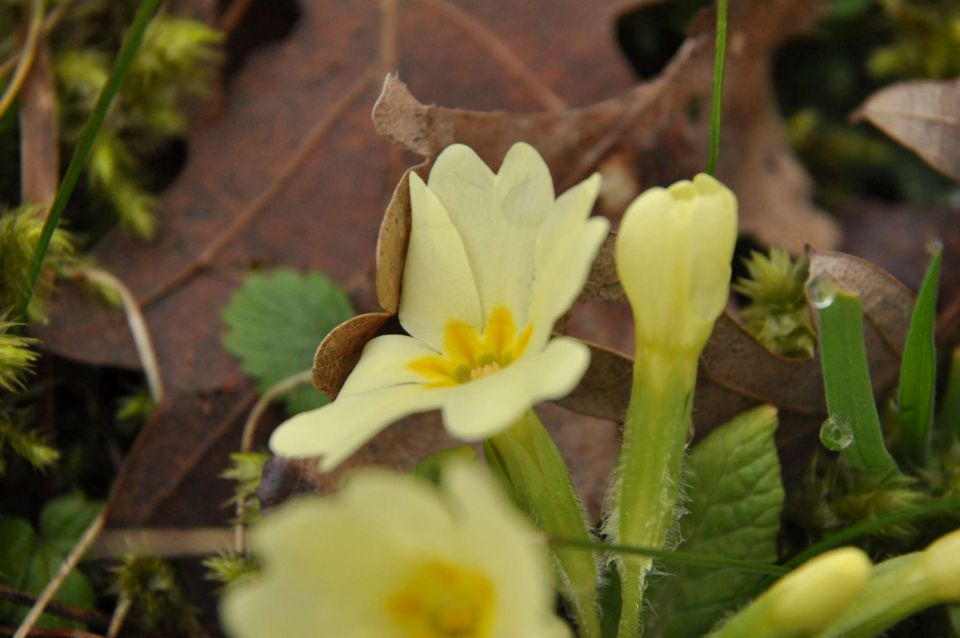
392	556
493	261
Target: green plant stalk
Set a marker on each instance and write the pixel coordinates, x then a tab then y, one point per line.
918	369
950	412
847	384
646	483
716	105
131	43
528	463
897	589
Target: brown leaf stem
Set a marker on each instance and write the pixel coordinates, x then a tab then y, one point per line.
27	55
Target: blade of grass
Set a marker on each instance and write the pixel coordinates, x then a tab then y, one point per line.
950	412
716	105
131	43
667	556
918	369
846	378
872	525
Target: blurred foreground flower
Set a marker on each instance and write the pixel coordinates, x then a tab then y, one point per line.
391	556
493	261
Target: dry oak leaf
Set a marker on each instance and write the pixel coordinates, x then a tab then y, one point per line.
291	172
924	116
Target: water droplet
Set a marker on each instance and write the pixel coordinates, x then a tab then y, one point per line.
836	434
821	291
934	246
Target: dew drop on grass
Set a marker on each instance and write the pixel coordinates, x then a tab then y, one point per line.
836	434
934	246
821	291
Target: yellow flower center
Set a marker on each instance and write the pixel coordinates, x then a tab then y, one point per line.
469	355
441	600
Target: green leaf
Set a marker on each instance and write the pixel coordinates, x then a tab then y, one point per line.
276	322
735	499
28	560
950	412
431	466
846	379
64	519
918	369
526	461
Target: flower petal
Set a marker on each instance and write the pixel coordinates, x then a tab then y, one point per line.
479	409
339	429
498	217
566	247
384	362
714	226
438	285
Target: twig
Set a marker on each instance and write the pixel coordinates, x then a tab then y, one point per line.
119	616
25	599
275	391
49	24
138	326
89	536
247	215
550	100
27	55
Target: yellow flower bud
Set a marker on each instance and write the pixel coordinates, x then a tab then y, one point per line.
941	567
673	257
816	592
806	600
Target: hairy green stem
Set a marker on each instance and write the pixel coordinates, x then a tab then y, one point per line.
716	105
647	478
526	460
131	43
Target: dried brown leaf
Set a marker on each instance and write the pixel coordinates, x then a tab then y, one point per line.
340	350
924	116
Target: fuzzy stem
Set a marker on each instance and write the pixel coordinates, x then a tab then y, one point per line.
647	478
131	43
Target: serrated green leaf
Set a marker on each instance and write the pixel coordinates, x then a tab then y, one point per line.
735	498
28	561
918	369
275	323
